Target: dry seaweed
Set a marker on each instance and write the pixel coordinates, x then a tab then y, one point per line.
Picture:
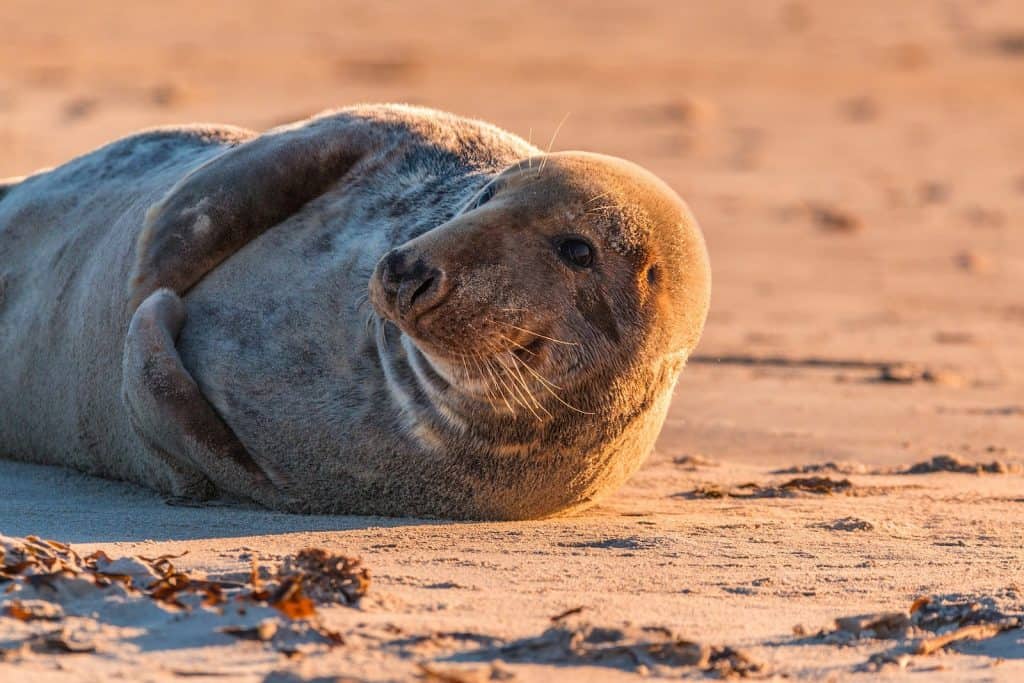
290	600
327	577
850	524
728	662
293	589
928	626
911	373
418	645
946	462
820	485
833	219
829	467
876	625
706	491
693	462
491	672
31	610
567	613
64	641
285	676
263	631
646	649
927	646
787	489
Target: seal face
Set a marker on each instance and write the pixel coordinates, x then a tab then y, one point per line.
561	272
381	310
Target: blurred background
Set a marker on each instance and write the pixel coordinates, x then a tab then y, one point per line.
858	168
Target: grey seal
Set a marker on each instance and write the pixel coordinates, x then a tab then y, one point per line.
380	310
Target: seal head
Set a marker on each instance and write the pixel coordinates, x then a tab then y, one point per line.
564	271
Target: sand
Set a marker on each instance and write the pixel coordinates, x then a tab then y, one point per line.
857	171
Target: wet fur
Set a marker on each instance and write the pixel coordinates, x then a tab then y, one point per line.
333	405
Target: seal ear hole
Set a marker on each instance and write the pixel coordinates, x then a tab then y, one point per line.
652	274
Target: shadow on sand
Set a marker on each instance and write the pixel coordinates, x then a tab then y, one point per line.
53	502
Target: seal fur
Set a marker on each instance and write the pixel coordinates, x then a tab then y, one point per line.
205	310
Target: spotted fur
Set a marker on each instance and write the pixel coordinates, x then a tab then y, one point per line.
193	309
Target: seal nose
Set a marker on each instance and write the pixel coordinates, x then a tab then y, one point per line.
413	285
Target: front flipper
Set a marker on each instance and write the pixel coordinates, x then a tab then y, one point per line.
232	199
172	416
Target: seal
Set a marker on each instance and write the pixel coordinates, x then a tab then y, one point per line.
380	310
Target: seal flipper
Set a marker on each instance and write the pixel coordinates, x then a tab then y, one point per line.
232	199
172	416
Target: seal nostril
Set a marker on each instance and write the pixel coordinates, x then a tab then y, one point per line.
394	269
422	289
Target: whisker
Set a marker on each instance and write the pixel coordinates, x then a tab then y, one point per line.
382	333
491	390
536	374
490	371
507	379
536	334
523	393
544	385
520	346
540	167
494	385
525	384
529	140
488	388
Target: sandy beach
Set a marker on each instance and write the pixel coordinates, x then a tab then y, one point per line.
847	439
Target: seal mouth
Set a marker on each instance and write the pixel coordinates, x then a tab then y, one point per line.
528	350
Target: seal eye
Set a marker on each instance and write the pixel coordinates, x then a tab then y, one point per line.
576	252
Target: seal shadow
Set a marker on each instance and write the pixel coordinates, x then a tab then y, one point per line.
53	502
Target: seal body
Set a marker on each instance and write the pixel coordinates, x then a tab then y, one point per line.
320	387
66	250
